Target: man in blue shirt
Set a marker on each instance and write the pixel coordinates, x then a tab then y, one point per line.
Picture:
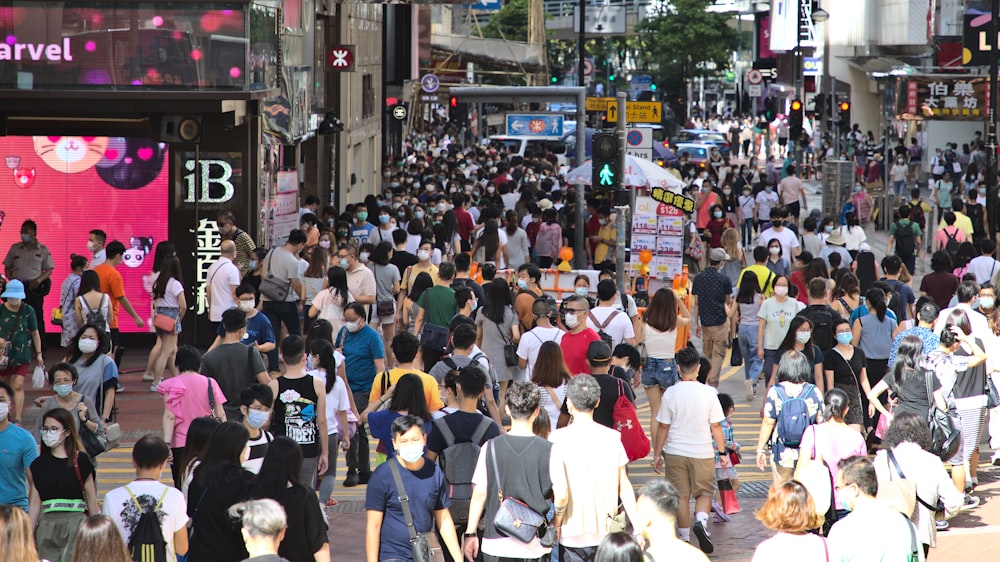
259	330
361	230
924	330
17	452
711	292
386	536
364	357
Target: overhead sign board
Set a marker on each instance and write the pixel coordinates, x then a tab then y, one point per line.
639	143
601	20
534	125
599	104
637	112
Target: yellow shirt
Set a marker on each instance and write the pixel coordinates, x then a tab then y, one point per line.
411	274
765	278
431	390
607	232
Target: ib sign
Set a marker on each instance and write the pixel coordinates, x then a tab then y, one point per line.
214	180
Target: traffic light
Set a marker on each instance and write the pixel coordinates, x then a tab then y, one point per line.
604	166
844	115
770	108
795	115
458	113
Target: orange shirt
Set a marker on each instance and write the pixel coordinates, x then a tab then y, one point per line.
112	284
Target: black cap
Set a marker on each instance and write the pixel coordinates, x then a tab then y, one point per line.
598	352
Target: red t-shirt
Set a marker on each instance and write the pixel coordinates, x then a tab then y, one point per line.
575	350
465	223
593	228
798	279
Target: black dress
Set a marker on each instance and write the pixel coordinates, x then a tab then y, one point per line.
846	377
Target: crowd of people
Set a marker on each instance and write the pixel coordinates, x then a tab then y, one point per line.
416	323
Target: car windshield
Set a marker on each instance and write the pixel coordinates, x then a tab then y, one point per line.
713	137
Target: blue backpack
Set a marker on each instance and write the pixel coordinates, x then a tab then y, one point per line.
794	416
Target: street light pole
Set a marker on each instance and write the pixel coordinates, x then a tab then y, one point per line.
991	134
794	143
580	48
819	15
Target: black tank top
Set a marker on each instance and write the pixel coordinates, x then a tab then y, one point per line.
295	411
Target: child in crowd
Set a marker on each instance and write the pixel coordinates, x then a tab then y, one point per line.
732	446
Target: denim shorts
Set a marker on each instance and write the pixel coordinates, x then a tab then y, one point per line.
659	372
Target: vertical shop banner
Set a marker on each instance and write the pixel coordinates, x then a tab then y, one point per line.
71	185
283	216
657	227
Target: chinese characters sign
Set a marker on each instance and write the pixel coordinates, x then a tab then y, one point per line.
944	98
674	200
208	240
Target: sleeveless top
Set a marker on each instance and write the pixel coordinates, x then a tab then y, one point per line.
660	345
876	337
748	314
295	414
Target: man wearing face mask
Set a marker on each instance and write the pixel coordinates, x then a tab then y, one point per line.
30	262
244	242
282	264
260	333
232	364
223	278
300	410
361	229
95	244
360	279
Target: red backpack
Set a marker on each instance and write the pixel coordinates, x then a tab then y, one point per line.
626	421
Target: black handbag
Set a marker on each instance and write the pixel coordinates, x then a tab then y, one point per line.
419	546
90	440
945	435
736	359
992	396
433	336
509	348
514	518
382	308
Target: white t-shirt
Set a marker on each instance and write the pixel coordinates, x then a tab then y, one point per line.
786	238
223	277
766	200
984	268
118	505
619	328
689	408
171	295
532	341
336	400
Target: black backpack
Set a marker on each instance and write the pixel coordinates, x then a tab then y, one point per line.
893	300
906	239
146	543
952	244
822	318
458	463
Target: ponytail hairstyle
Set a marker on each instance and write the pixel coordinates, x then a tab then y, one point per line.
875	298
323	349
835	404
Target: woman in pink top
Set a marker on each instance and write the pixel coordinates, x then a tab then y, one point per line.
948	233
790	511
187	397
549	239
833	440
703	202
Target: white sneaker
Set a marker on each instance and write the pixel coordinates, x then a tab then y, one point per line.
153	387
750	389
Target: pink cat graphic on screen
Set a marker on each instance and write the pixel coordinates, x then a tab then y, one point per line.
71	155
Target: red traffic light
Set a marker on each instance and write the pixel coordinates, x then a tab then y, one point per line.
796	105
453	101
845	106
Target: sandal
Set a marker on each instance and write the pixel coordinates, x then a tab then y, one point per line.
331	502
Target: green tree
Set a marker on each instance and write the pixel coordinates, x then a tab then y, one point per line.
682	39
510	23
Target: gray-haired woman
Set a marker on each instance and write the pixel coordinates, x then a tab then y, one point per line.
264	525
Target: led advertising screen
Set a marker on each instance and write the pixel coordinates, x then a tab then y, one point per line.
72	185
135	46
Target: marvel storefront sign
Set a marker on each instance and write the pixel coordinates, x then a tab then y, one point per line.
54	52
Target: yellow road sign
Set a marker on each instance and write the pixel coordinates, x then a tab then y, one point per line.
637	111
599	104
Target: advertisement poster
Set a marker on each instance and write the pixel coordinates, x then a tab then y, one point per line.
657	226
72	185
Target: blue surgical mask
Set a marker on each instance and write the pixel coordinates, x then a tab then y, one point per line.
63	390
310	363
411	453
582	291
343	263
522	284
384	219
419	215
844	338
257	418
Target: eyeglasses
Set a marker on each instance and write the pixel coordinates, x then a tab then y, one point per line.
575	310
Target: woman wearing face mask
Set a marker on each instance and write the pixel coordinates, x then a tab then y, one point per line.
897	175
775	261
424	253
98	372
315	274
323	363
716	224
168	299
62	487
730	202
63	378
942	193
406	397
403	216
387	280
799	338
257	268
863	203
746	208
775	316
330	302
496	327
518	249
873	334
219	482
185	398
845	368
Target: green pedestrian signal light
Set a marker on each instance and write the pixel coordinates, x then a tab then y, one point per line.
555	79
607	175
652	87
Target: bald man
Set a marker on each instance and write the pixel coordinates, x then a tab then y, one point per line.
223	278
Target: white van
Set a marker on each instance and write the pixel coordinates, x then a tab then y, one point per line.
521	145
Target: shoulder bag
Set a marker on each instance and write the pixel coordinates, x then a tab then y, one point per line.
270	286
509	347
93	442
945	436
992	396
899	493
815	476
79	480
211	397
514	518
626	421
419	546
382	308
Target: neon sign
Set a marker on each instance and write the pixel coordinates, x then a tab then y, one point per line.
53	51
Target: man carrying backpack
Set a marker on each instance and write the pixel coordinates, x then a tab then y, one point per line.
907	235
820	314
456	439
901	299
151	516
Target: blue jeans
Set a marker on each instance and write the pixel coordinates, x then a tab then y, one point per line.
659	372
752	364
899	187
747	230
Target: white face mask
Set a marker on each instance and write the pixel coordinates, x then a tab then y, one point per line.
803	337
247	305
353	326
774	251
411	452
87	345
364	256
572	321
781	291
4	410
52	438
423	255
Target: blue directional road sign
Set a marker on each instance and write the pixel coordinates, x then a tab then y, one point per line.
486	5
533	125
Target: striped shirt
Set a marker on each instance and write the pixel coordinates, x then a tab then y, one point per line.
258	448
